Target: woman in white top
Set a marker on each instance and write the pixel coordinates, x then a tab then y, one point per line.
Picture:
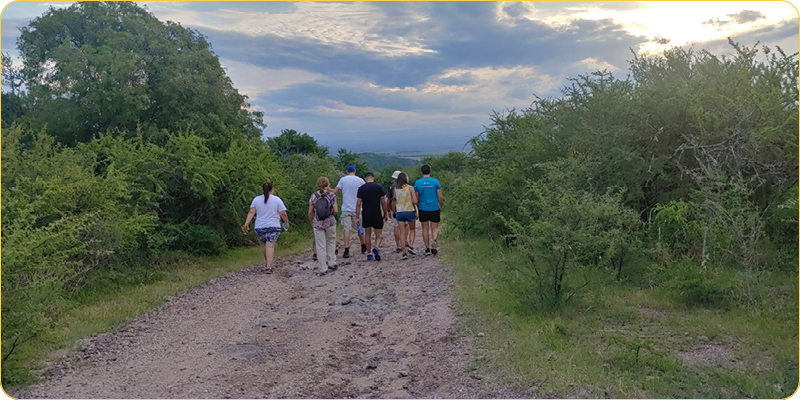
268	210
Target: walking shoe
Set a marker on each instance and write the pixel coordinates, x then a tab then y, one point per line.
377	253
399	250
315	256
323	273
268	270
346	253
427	252
411	250
369	257
363	248
333	267
435	247
336	251
405	257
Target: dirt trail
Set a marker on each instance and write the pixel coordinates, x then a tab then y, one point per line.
371	329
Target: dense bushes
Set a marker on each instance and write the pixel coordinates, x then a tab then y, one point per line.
108	169
691	163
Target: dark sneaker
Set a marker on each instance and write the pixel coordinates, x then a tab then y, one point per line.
369	257
323	273
434	251
315	256
427	252
268	270
411	251
336	251
333	267
434	246
346	253
399	250
377	253
405	257
363	248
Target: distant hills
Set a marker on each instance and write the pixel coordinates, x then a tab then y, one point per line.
376	161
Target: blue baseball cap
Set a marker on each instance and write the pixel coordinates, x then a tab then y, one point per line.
351	168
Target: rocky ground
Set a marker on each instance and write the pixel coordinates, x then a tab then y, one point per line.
383	329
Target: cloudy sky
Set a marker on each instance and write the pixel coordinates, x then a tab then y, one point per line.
396	76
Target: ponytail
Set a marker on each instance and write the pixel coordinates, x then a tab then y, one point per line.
267	187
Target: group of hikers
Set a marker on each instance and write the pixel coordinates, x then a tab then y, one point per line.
366	205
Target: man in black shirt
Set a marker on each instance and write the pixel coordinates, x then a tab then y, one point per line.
370	214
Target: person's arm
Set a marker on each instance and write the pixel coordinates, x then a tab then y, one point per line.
311	213
285	218
384	208
334	190
358	211
335	207
250	215
441	198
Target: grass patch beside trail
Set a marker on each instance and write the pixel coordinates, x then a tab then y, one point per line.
92	312
619	341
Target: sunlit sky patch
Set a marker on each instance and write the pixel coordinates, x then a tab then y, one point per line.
388	76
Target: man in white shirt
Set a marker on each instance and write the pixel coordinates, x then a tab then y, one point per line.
349	185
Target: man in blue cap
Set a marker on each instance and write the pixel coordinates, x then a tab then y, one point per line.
349	185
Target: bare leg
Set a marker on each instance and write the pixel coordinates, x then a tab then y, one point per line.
403	233
434	230
412	233
378	237
426	227
398	237
269	253
368	238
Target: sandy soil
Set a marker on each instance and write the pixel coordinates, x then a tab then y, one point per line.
383	329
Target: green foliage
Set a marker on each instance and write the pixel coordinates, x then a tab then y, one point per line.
99	67
345	158
568	227
292	142
697	149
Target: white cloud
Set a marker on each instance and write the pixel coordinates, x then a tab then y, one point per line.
254	81
682	22
352	24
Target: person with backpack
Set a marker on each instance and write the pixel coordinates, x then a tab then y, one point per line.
321	210
268	210
349	185
430	199
369	209
405	207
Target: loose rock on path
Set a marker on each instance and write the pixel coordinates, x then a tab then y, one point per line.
368	330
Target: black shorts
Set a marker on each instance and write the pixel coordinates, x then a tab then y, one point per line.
374	221
432	216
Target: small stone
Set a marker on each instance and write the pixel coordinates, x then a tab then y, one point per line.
584	393
481	334
702	338
372	364
476	377
403	373
405	387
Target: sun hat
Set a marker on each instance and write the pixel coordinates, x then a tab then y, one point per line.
396	174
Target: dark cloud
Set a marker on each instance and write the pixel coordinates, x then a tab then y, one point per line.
783	34
747	16
461	35
459	80
739	18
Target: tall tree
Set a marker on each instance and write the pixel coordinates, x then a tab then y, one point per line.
96	67
292	142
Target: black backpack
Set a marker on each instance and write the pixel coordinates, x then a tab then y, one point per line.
322	207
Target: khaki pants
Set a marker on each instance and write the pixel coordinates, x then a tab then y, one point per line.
325	243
